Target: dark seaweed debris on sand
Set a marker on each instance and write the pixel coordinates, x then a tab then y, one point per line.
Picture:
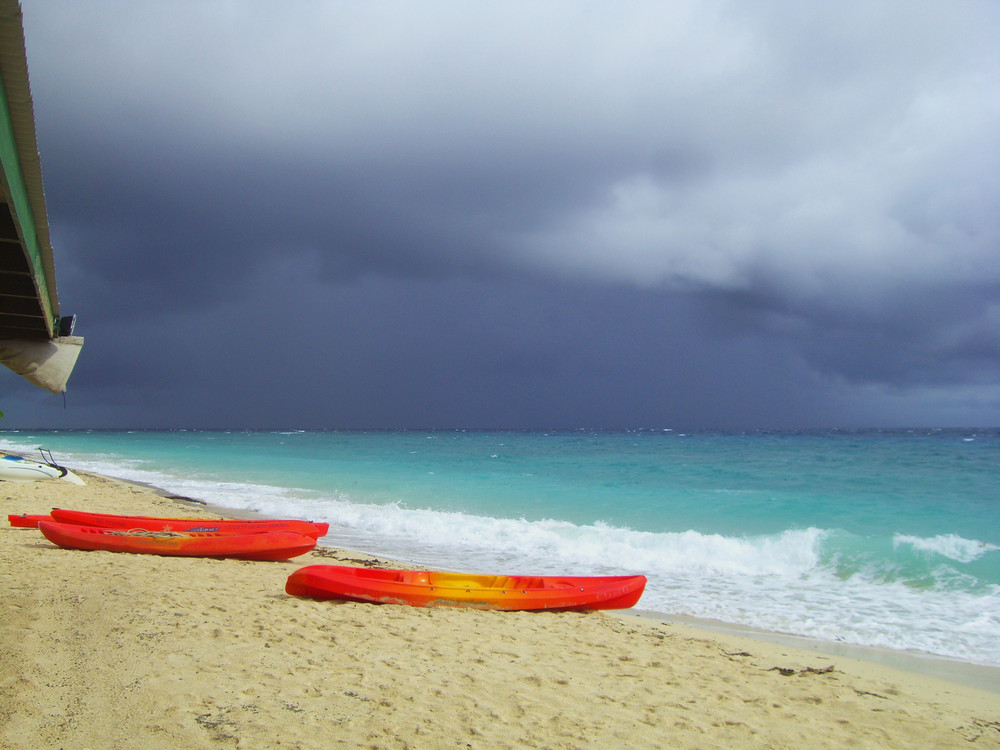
786	672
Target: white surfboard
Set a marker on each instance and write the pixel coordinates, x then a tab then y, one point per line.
17	469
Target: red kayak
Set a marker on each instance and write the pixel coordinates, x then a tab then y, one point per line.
152	523
27	520
261	545
429	588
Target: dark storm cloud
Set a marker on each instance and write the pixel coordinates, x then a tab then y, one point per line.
687	210
385	352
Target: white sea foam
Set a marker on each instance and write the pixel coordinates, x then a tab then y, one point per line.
947	545
592	547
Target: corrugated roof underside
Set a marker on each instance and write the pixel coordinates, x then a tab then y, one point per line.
21	312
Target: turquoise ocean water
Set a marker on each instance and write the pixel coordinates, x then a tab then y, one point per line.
880	538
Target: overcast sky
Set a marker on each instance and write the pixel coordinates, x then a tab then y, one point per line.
521	214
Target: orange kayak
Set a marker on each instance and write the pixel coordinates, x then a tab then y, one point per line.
152	523
27	520
261	545
428	588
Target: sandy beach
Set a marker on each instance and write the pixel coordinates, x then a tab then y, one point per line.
103	650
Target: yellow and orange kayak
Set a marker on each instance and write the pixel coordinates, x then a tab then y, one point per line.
428	588
262	545
152	523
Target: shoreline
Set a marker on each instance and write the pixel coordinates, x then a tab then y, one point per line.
114	650
980	676
952	666
970	674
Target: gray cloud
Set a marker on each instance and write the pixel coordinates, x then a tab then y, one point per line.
804	194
